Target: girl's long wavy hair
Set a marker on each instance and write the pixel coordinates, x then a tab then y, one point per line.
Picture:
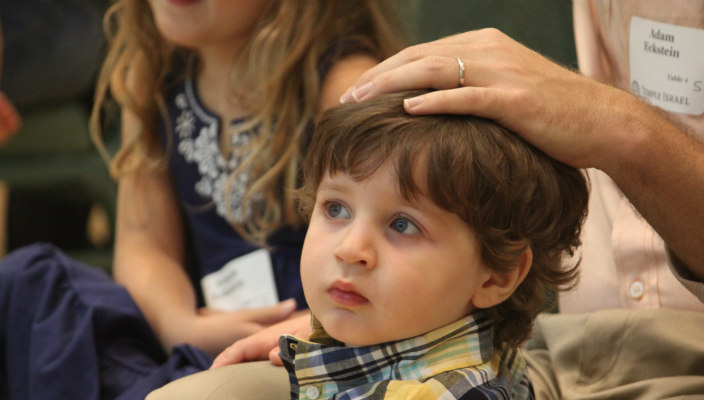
282	60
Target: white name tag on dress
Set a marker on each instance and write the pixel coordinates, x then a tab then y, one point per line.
245	282
667	65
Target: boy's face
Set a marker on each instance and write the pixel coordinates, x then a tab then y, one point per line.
376	268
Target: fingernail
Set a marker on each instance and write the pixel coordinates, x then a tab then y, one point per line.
347	96
361	92
288	305
413	102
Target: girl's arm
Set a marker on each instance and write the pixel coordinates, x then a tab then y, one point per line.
149	257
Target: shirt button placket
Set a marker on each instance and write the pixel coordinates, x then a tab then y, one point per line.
312	392
636	290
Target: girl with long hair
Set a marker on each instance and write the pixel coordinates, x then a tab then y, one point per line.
217	101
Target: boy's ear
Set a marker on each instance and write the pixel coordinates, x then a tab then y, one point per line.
499	286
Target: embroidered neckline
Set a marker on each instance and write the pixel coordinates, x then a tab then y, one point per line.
202	147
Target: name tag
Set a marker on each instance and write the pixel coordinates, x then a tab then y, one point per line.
245	282
667	65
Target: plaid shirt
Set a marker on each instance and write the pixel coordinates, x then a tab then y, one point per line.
454	362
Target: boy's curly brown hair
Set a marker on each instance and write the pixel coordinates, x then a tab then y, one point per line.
509	193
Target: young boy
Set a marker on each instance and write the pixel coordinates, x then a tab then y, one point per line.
432	242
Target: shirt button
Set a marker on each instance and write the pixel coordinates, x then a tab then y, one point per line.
637	290
312	392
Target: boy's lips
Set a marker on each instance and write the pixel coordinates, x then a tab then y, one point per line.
344	294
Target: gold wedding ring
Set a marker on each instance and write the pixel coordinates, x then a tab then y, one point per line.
461	64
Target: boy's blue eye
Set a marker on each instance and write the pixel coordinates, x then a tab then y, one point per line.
405	226
337	210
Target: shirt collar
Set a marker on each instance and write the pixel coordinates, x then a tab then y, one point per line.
333	368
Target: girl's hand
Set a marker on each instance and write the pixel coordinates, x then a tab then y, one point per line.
213	330
552	107
264	344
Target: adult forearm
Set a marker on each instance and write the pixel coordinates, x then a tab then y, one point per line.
661	171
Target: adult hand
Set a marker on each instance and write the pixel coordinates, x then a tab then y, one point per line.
572	118
263	344
10	120
550	106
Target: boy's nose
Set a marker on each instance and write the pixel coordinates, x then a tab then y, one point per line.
357	246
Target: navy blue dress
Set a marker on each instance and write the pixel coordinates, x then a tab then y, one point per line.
67	331
200	174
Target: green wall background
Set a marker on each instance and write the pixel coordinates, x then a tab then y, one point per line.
543	25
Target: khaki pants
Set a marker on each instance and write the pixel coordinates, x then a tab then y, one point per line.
618	354
612	354
259	380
